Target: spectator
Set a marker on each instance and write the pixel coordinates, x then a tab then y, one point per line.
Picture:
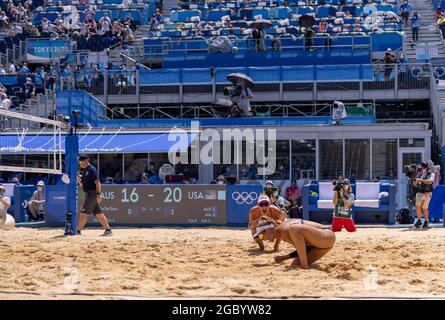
309	39
3	20
128	21
348	14
415	24
389	61
323	26
258	38
220	180
2	70
36	205
150	170
16	180
405	10
4	104
11	68
29	89
376	179
293	193
277	200
156	20
144	178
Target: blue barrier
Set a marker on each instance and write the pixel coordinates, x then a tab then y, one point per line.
22	194
210	122
437	202
334	73
90	108
240	198
55	203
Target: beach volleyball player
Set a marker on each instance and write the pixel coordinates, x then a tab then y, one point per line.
310	239
88	179
264	209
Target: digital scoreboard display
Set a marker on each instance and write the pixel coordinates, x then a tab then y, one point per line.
163	204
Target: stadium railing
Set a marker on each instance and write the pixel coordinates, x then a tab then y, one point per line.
279	79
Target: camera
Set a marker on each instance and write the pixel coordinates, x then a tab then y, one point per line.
338	185
269	190
410	171
233	91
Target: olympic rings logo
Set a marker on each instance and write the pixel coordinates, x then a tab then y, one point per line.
244	197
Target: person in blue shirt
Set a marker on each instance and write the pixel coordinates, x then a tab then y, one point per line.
89	181
405	10
415	24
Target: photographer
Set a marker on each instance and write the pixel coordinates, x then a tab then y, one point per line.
241	97
424	182
343	201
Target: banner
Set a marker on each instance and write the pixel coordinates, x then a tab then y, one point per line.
41	51
240	198
163	204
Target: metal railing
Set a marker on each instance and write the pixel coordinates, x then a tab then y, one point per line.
279	44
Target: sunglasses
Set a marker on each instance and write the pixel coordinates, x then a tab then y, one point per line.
264	204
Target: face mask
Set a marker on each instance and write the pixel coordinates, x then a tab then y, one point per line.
220	182
40	188
275	193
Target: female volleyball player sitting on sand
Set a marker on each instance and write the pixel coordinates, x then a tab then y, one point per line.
310	239
264	209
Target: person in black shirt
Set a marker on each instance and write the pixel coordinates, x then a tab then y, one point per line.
89	181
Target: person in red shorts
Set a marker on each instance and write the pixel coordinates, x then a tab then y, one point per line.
343	201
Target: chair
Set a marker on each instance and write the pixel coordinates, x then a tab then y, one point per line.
325	195
367	194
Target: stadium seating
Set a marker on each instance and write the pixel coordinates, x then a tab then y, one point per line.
212	19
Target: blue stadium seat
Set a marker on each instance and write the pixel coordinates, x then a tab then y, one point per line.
265	13
216	15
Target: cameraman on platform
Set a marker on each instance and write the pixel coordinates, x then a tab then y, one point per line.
424	183
240	95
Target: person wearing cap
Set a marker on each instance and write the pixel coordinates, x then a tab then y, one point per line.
268	188
343	201
29	89
88	179
389	60
36	206
424	183
5	203
311	240
264	209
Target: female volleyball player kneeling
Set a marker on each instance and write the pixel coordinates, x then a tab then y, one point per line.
310	239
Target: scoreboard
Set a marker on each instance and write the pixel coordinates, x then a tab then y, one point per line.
163	204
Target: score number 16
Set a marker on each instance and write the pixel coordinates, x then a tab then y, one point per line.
134	197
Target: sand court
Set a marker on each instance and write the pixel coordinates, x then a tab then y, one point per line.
216	263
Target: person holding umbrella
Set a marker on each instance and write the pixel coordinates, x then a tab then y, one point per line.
258	33
242	94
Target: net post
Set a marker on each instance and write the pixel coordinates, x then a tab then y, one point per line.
71	167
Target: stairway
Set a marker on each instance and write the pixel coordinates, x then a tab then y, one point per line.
429	33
